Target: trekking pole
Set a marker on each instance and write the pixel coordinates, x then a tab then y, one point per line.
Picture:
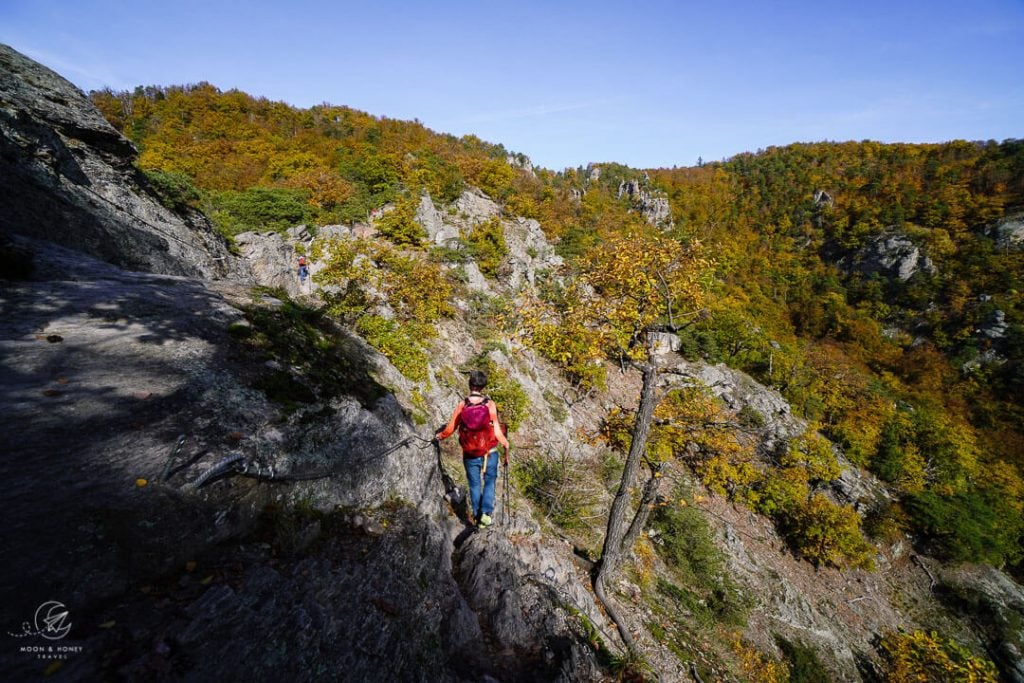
166	472
506	497
446	480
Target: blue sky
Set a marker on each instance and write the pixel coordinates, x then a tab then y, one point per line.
648	84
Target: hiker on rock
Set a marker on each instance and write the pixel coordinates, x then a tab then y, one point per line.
303	270
480	432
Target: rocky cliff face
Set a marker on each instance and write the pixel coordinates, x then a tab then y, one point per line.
270	258
68	178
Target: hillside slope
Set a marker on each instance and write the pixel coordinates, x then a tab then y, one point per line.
371	573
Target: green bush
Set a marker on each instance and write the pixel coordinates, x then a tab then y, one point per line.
826	533
556	485
399	342
441	178
399	225
723	604
576	241
814	455
780	491
175	190
258	209
686	542
556	406
454	251
976	525
486	243
804	664
921	657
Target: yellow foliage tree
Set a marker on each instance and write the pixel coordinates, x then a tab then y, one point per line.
627	288
920	657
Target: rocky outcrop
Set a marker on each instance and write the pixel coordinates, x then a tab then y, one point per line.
994	327
777	426
520	161
271	258
1009	233
891	255
475	207
427	215
654	207
68	178
737	391
993	604
529	253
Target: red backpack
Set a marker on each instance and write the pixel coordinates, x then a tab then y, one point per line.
476	433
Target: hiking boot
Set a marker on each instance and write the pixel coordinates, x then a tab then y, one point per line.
485	520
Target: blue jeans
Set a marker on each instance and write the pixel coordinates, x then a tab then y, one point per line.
482	502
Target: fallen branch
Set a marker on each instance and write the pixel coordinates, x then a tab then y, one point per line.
920	563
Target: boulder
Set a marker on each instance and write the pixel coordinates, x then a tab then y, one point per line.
475	279
892	255
270	259
432	221
738	390
330	232
823	199
1009	233
664	343
476	206
994	327
520	161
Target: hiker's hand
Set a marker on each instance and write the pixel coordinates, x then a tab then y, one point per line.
505	460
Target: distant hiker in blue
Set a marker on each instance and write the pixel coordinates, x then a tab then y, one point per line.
480	432
303	270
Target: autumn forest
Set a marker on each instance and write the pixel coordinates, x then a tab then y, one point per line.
916	375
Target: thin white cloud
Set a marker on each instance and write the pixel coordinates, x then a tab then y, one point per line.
86	75
535	111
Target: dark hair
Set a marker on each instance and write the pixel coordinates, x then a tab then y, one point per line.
477	379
